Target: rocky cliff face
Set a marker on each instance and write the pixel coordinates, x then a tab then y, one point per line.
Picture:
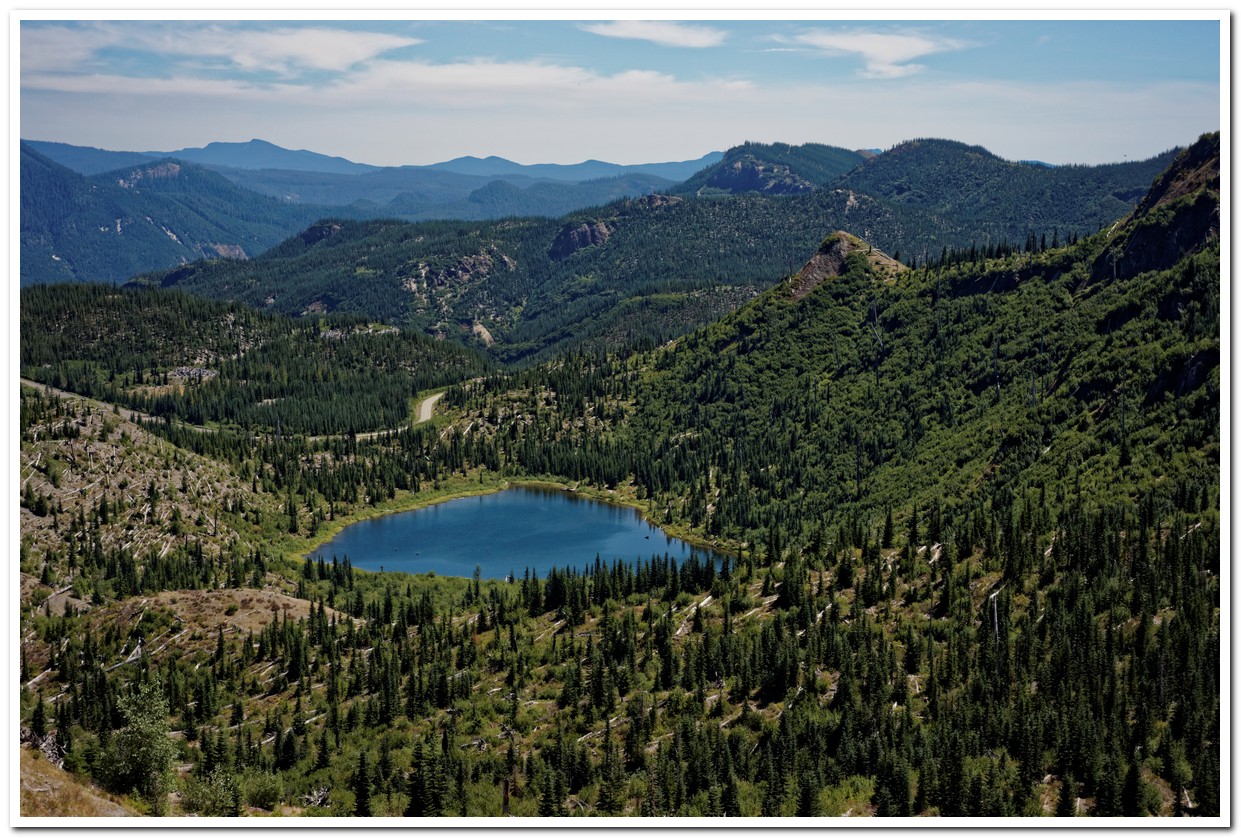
1178	216
229	251
576	236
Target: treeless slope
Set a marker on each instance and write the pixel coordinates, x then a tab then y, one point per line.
51	792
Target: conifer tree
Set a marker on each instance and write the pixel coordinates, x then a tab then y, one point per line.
361	785
1066	807
38	720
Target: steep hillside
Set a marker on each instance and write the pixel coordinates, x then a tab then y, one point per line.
537	286
959	381
48	791
999	199
1178	216
857	386
86	160
108	227
975	513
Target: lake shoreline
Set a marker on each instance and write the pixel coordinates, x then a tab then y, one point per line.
304	548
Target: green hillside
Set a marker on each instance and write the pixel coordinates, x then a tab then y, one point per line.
858	384
975	513
1001	200
540	286
170	355
108	227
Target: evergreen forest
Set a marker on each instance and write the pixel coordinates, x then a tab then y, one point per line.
970	500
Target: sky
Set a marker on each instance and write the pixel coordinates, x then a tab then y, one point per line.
394	92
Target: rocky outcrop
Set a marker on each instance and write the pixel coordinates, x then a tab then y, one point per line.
464	270
318	232
749	174
1178	216
576	236
159	170
831	260
653	201
229	251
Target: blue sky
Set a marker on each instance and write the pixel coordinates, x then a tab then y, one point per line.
628	91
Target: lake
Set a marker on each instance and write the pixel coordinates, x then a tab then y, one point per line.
505	533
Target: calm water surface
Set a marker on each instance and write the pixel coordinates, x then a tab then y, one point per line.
504	533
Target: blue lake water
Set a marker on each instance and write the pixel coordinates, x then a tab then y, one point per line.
504	533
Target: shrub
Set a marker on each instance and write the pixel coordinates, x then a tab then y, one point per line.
138	757
216	795
266	791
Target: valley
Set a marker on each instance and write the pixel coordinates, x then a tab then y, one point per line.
953	424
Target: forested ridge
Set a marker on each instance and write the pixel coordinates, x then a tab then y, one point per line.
974	508
171	355
994	197
137	213
670	264
114	225
773	168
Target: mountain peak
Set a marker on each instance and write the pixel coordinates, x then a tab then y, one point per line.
261	154
937	145
831	260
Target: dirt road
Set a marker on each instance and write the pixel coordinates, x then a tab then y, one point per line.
426	406
426	409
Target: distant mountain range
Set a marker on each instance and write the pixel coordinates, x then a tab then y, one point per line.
577	172
92	214
111	226
260	154
653	267
465	188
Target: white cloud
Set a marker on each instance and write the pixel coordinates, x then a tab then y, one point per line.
514	84
660	32
886	55
103	84
508	85
63	48
286	51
